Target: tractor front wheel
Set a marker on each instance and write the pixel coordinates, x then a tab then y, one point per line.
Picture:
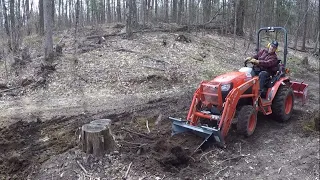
247	120
282	104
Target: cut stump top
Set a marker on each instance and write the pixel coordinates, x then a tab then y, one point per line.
93	128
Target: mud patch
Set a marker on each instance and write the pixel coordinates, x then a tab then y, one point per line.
25	145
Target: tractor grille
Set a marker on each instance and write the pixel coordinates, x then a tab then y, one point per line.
210	94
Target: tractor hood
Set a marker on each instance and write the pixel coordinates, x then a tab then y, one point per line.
230	77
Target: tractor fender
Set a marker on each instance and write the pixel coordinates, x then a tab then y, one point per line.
274	89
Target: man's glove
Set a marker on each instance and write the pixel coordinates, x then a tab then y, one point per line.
248	58
254	61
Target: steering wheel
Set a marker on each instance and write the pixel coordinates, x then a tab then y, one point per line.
246	62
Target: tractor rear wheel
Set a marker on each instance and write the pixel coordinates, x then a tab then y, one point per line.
247	120
282	104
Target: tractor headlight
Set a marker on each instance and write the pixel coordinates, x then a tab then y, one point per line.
225	87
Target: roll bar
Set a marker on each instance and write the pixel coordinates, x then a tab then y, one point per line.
272	29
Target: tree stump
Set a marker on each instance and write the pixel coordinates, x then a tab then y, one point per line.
96	138
110	138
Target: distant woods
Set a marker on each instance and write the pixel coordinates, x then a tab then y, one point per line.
20	18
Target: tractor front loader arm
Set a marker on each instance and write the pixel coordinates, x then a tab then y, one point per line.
231	102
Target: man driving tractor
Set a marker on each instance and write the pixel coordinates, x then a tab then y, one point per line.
266	63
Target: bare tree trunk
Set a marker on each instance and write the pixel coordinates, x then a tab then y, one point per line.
156	9
41	21
103	13
235	25
59	14
319	30
6	21
143	12
305	26
206	10
76	27
109	20
118	11
87	11
240	17
66	14
14	31
114	14
70	15
224	26
167	10
180	11
149	11
260	14
134	18
129	7
174	10
53	12
299	22
12	15
48	26
1	15
315	49
18	11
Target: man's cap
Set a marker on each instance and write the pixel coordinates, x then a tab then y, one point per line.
274	43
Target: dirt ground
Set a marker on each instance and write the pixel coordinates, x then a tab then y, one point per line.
135	81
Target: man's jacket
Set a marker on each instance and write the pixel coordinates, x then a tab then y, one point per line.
267	61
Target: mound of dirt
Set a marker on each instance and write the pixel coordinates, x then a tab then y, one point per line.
174	158
167	154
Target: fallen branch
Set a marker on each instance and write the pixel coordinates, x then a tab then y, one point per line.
147	124
155	68
221	170
126	175
205	154
83	169
13	88
125	50
158	119
139	144
63	37
240	156
139	134
197	59
214	17
163	177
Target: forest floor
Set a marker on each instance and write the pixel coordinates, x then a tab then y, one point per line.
131	81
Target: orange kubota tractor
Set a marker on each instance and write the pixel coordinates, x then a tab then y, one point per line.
235	95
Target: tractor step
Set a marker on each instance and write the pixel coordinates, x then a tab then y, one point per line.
209	134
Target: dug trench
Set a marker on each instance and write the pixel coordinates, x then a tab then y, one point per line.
27	145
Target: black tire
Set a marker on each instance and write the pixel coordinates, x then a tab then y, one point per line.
282	104
247	120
